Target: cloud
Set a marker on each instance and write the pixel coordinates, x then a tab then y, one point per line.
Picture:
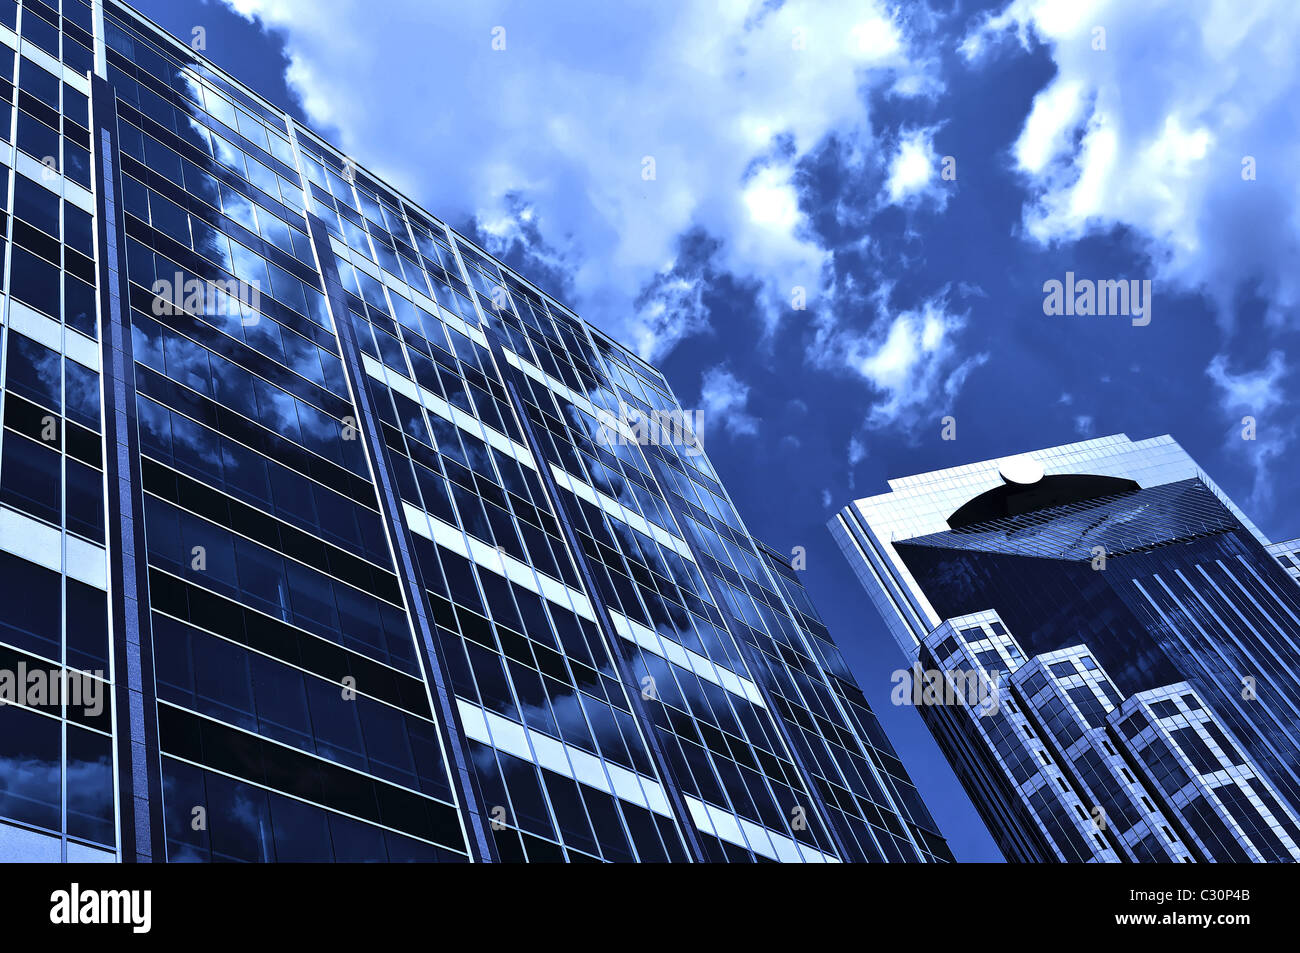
909	358
723	399
1151	133
671	305
1253	392
1255	395
1084	425
913	170
857	453
723	100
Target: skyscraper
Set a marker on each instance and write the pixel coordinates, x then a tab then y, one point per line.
324	536
1104	646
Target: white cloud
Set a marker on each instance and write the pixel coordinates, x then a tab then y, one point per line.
857	453
1151	132
1252	392
913	170
909	358
1256	395
723	402
559	123
669	309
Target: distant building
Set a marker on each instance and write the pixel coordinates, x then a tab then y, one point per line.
1143	637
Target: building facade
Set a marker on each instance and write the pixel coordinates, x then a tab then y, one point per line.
1129	639
325	537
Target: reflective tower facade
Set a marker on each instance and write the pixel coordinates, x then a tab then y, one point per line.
1121	567
358	546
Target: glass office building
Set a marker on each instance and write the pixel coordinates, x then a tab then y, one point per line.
1118	566
324	536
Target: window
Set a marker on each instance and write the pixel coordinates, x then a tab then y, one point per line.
29	478
33	741
1228	748
79	305
34	281
36	205
32	601
85	496
1164	708
1134	724
90	799
33	370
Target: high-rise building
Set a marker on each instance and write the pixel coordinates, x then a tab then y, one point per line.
324	536
1103	645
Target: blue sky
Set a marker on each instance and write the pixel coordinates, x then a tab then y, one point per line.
801	145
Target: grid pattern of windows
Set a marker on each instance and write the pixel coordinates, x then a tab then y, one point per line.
1189	624
1066	769
59	793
